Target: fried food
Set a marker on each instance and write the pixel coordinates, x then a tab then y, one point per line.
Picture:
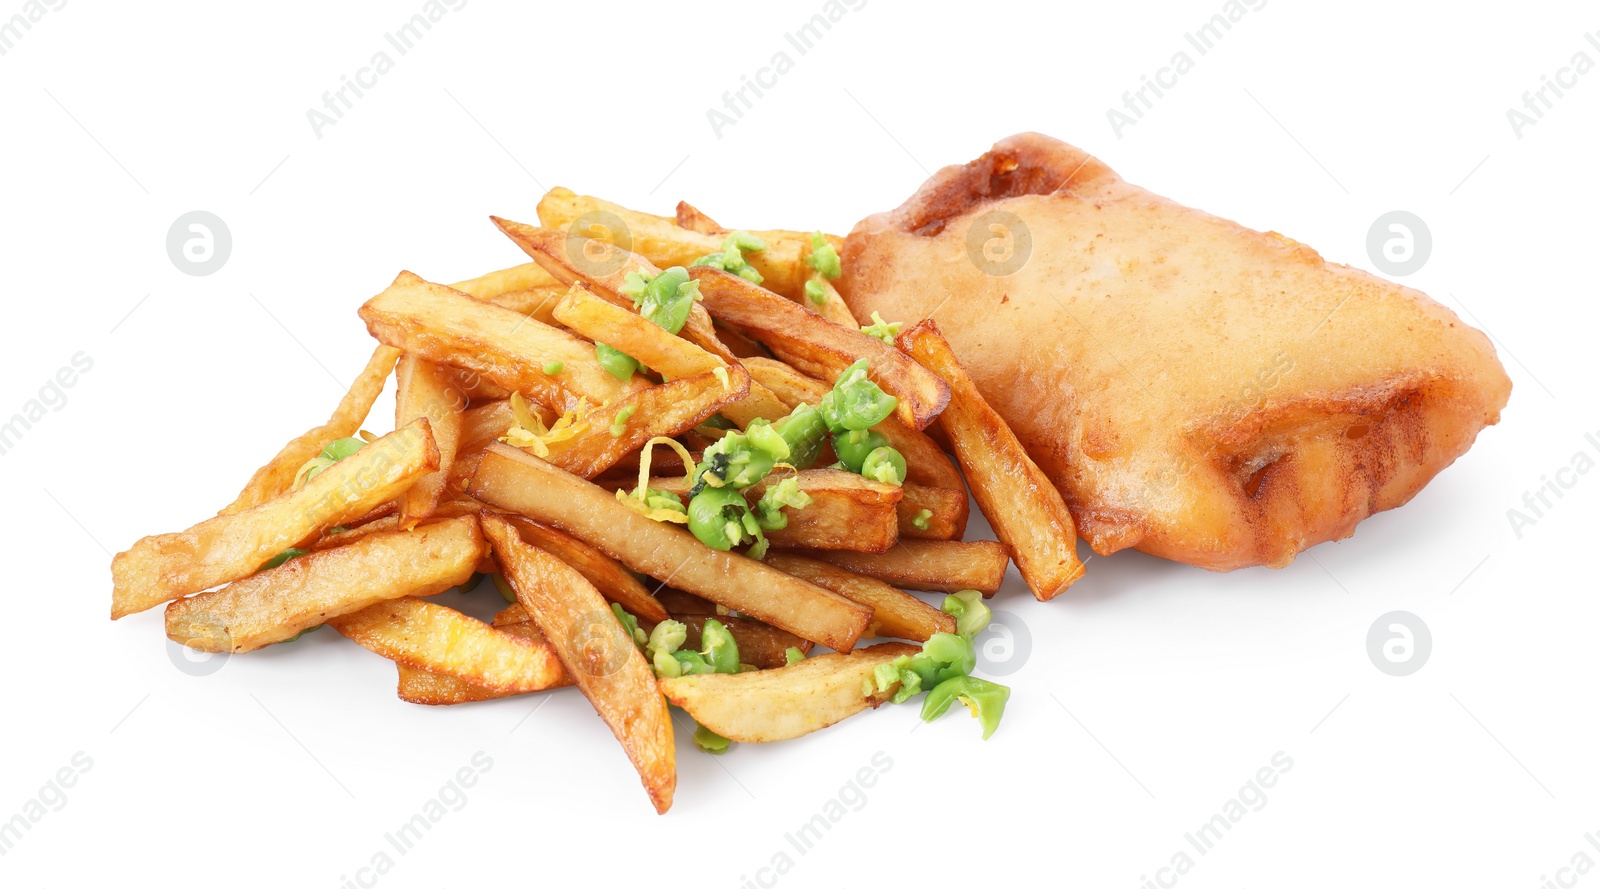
227	547
1195	389
519	482
776	705
302	593
1024	509
431	637
943	566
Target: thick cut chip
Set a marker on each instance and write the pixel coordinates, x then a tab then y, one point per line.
598	653
944	566
613	581
776	705
809	341
662	240
428	391
432	637
227	547
895	613
527	276
519	482
932	513
672	356
604	267
417	686
302	593
1022	505
613	432
506	348
274	478
926	463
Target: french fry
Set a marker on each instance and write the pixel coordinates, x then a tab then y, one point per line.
688	216
674	357
1025	510
831	306
418	686
527	276
442	640
805	339
227	547
895	613
740	345
926	463
946	512
661	240
614	582
846	511
776	705
944	566
493	419
597	652
665	410
479	389
516	481
511	351
537	304
427	390
680	602
274	478
604	267
344	536
302	593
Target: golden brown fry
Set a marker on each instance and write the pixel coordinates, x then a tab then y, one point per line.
597	652
1022	506
427	390
805	339
418	686
614	582
936	565
946	512
690	217
604	267
537	304
515	481
350	533
672	356
303	593
622	427
846	511
831	306
680	602
493	419
505	348
527	276
274	478
926	463
776	705
442	640
740	345
227	547
661	240
895	613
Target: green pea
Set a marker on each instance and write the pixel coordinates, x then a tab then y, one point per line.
986	700
617	363
884	465
823	257
667	299
692	663
719	647
804	432
716	517
855	445
710	742
855	402
969	610
920	520
341	448
551	368
619	423
816	292
792	656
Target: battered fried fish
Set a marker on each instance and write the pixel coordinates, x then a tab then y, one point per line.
1197	390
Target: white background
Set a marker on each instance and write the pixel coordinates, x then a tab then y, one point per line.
1142	701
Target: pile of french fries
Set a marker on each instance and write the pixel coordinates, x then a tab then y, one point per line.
359	532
